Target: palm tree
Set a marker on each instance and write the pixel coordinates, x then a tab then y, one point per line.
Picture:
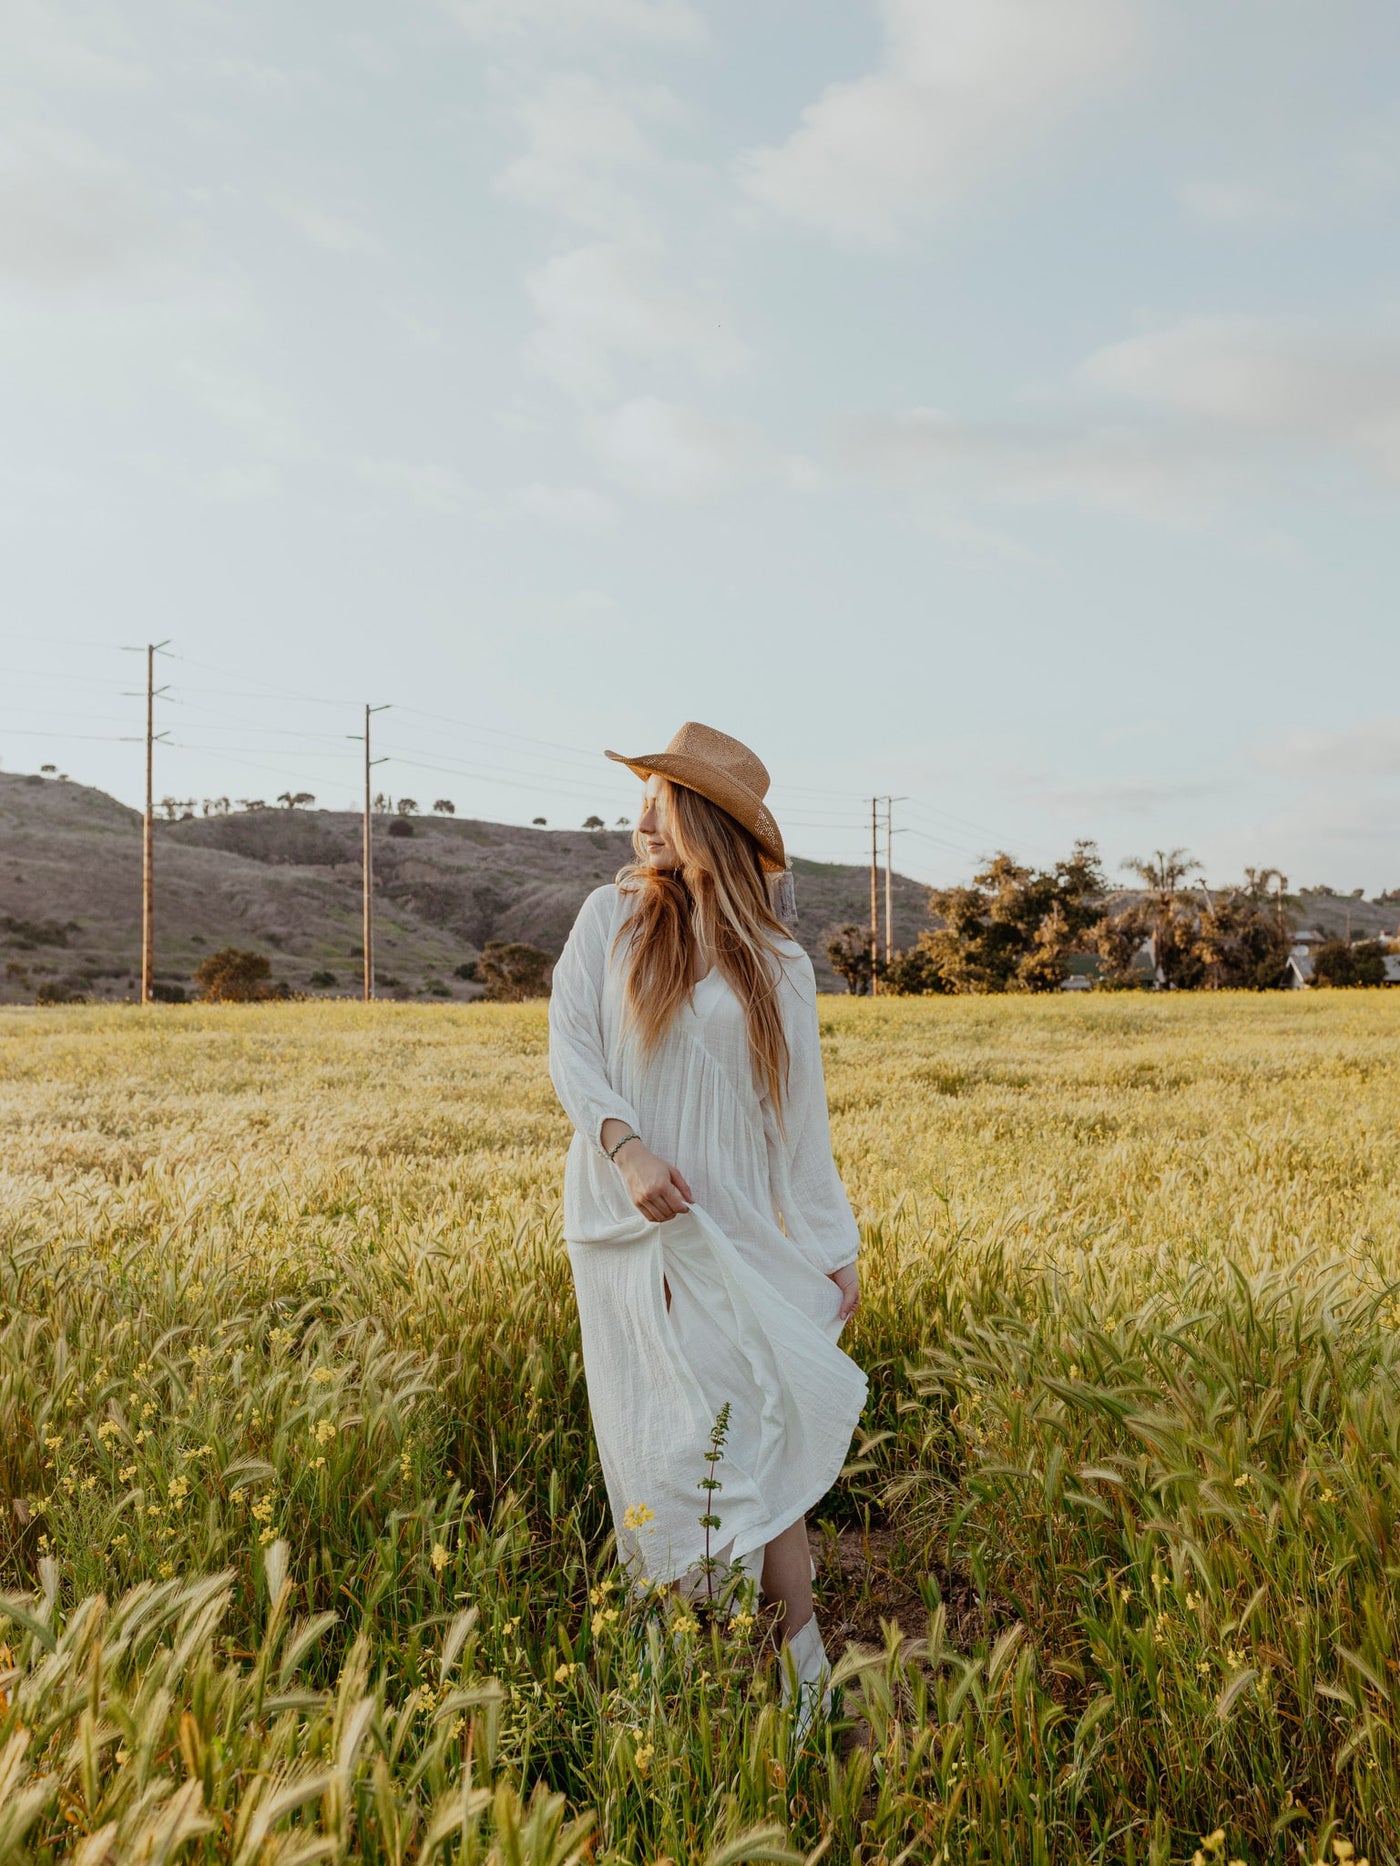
1163	877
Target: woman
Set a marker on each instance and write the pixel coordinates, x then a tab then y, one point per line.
712	1245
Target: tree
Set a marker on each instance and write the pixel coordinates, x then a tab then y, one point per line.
539	822
910	974
445	807
234	976
594	822
848	949
171	806
624	822
1242	938
1338	963
293	800
1014	927
251	803
1171	920
1117	938
48	770
511	971
408	806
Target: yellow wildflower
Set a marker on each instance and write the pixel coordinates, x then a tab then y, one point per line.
440	1558
637	1516
1241	1480
562	1673
322	1377
643	1755
325	1431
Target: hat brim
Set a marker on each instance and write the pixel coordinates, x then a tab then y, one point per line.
746	807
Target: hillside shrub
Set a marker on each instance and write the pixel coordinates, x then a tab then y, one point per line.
54	991
512	971
401	827
467	969
234	976
848	949
324	978
169	994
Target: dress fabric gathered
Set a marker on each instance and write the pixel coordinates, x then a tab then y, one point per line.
753	1319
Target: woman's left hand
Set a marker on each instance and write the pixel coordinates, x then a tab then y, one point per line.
847	1280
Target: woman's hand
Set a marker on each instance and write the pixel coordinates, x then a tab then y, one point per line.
657	1190
847	1280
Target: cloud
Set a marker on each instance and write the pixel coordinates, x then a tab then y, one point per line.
586	144
1219	202
1168	478
1171	425
963	92
333	233
673	452
37	44
68	215
436	488
1273	380
667	24
1370	748
578	508
603	303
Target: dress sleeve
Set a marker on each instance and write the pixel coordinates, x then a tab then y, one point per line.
816	1212
578	1064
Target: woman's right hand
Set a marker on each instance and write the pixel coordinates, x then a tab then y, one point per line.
657	1190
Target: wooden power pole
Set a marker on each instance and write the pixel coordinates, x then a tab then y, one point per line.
367	892
874	896
148	841
890	803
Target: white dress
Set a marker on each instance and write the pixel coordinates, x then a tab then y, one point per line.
753	1317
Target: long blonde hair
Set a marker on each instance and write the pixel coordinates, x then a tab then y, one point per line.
717	897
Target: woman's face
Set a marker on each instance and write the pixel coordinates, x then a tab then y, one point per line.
651	824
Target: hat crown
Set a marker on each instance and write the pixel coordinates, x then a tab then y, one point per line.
718	749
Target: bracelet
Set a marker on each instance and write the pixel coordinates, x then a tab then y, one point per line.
622	1143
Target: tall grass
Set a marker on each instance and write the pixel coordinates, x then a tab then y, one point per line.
305	1547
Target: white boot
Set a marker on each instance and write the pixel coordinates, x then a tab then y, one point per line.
812	1669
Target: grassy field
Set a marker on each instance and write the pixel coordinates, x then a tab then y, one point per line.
306	1549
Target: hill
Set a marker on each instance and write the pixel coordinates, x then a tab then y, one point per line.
287	883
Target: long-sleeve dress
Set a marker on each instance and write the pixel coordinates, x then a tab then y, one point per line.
753	1319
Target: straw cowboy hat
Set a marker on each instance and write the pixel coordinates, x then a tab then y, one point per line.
725	771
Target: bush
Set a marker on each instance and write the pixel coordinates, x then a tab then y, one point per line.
324	978
1338	963
400	827
169	994
466	970
435	988
234	976
511	971
54	991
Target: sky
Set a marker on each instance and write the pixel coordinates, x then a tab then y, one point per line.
995	406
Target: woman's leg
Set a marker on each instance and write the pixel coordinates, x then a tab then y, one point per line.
787	1578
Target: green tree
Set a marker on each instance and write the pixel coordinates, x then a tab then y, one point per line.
1242	937
1171	917
1117	939
1014	927
234	976
911	974
511	971
848	949
1338	963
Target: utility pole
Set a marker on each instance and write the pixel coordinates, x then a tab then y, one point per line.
890	802
367	903
148	846
874	897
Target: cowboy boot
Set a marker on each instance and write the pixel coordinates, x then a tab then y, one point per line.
805	1680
